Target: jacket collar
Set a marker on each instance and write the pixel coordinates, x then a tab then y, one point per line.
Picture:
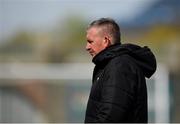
142	56
105	55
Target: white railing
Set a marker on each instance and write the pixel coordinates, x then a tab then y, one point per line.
83	71
62	71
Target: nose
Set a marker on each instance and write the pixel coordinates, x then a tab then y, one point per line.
88	47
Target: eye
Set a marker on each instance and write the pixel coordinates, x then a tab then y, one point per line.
90	41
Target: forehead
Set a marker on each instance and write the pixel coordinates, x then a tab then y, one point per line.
93	31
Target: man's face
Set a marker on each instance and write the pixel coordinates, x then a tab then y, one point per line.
96	41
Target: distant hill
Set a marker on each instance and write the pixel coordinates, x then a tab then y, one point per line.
162	11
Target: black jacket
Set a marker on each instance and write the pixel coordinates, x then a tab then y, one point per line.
118	92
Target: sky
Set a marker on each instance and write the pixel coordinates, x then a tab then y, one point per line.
43	14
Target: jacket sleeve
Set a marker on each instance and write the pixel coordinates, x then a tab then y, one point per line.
118	94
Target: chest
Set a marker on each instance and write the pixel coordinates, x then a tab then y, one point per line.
97	85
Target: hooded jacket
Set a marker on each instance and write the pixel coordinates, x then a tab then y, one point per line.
118	92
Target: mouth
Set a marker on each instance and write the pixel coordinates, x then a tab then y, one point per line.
91	53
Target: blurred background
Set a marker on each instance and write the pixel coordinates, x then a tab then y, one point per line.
45	72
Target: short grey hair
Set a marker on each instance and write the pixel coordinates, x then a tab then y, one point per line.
110	26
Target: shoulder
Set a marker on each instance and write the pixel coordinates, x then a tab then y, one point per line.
121	72
122	63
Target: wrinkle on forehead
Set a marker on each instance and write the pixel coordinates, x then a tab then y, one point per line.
97	30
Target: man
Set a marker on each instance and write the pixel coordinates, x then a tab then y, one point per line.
118	92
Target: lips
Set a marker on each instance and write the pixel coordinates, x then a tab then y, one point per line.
91	52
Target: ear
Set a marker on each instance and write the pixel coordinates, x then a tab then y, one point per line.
107	41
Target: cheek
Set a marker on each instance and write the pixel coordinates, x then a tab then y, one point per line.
98	47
